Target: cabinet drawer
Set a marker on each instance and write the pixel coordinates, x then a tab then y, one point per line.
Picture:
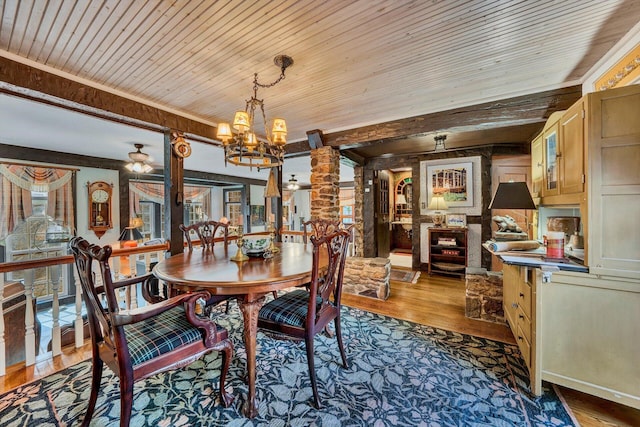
525	348
524	297
524	324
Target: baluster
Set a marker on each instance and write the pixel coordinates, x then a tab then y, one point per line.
79	323
116	268
132	290
29	335
54	276
3	357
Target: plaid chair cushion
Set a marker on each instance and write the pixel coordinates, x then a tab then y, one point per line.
289	309
159	335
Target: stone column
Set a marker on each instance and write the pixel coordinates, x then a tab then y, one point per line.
325	184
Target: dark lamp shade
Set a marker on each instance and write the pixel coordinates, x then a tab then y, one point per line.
512	195
129	234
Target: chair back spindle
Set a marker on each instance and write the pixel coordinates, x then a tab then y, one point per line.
206	232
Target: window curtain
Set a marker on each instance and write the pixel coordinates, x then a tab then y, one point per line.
17	183
154	192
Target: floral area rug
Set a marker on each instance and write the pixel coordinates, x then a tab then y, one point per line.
400	374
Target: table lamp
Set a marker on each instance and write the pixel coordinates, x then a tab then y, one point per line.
438	205
512	195
129	237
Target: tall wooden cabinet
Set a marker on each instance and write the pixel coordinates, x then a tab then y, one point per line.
580	329
613	154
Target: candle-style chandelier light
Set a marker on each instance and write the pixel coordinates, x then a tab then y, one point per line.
243	148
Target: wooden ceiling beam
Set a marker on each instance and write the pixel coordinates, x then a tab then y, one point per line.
506	112
32	83
515	111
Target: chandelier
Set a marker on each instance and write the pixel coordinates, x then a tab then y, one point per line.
244	148
138	163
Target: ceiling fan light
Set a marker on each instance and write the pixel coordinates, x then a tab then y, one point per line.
293	183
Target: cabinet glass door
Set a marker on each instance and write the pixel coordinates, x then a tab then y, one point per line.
551	151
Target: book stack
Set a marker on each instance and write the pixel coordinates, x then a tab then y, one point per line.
447	241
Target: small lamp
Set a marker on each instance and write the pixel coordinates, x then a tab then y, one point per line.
438	205
400	199
512	195
129	237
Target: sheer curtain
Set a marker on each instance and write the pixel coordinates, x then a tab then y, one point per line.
154	192
18	181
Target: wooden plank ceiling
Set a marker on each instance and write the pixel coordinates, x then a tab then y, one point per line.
374	76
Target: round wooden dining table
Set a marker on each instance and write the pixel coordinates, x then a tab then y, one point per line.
250	280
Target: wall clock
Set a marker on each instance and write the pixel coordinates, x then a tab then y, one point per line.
182	148
100	207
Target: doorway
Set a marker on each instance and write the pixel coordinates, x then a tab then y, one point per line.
394	216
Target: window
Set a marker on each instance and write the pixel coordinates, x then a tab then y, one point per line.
39	237
347	201
233	206
194	212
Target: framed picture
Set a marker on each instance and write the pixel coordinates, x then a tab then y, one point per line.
453	181
456	220
457	201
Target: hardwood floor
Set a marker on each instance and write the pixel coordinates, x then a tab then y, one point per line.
435	301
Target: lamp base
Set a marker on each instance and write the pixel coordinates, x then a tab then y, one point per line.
438	219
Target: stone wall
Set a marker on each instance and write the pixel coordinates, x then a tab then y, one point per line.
367	276
484	295
358	210
325	184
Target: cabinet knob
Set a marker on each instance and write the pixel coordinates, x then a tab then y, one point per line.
519	338
558	155
521	295
514	304
540	165
521	316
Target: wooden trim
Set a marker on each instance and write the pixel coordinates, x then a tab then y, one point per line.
36	165
622	73
7	267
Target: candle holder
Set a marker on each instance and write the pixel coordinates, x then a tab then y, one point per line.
272	233
239	256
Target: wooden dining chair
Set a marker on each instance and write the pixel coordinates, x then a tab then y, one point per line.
301	314
207	232
319	227
136	344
